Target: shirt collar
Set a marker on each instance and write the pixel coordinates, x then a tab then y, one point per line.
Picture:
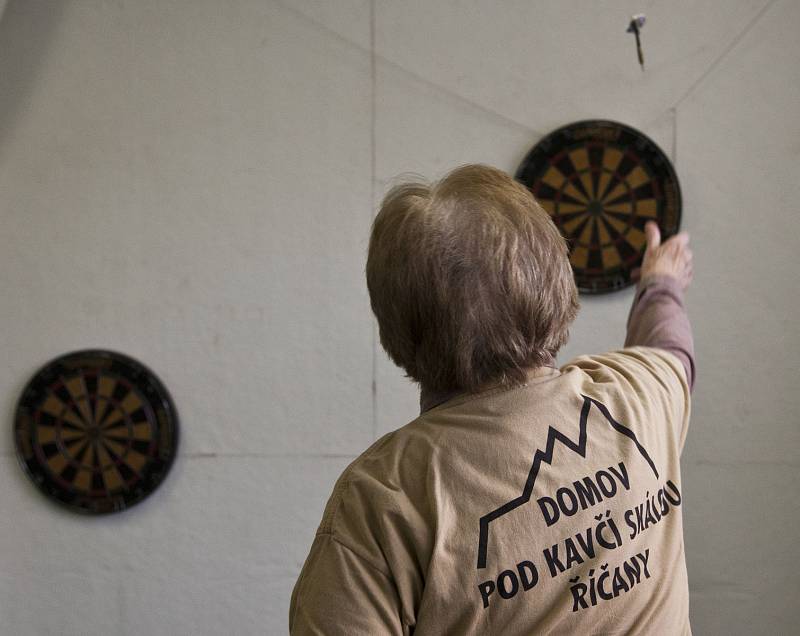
430	399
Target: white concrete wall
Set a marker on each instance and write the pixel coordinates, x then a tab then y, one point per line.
192	181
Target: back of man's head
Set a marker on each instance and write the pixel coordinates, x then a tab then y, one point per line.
469	279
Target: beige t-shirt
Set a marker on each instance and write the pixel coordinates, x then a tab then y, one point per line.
550	508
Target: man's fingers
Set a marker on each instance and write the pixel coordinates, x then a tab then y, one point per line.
653	235
677	242
677	245
681	239
636	274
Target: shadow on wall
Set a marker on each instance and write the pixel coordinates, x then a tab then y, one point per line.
26	31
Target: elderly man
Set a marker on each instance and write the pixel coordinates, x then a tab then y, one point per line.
524	499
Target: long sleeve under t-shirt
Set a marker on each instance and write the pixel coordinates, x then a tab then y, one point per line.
549	508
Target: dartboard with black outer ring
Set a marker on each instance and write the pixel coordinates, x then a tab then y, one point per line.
96	431
601	181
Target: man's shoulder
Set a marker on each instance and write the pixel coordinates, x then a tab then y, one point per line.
639	363
647	381
625	355
386	475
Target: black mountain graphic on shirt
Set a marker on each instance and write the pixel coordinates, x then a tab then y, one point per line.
546	456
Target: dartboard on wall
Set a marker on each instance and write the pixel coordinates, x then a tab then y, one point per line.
601	181
96	431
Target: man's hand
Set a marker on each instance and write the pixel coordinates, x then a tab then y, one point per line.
673	258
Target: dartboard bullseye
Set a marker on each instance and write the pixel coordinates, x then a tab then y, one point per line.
601	181
96	431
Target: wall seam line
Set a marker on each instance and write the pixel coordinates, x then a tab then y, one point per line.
696	84
375	58
372	137
230	454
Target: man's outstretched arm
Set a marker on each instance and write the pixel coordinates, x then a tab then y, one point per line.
658	317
